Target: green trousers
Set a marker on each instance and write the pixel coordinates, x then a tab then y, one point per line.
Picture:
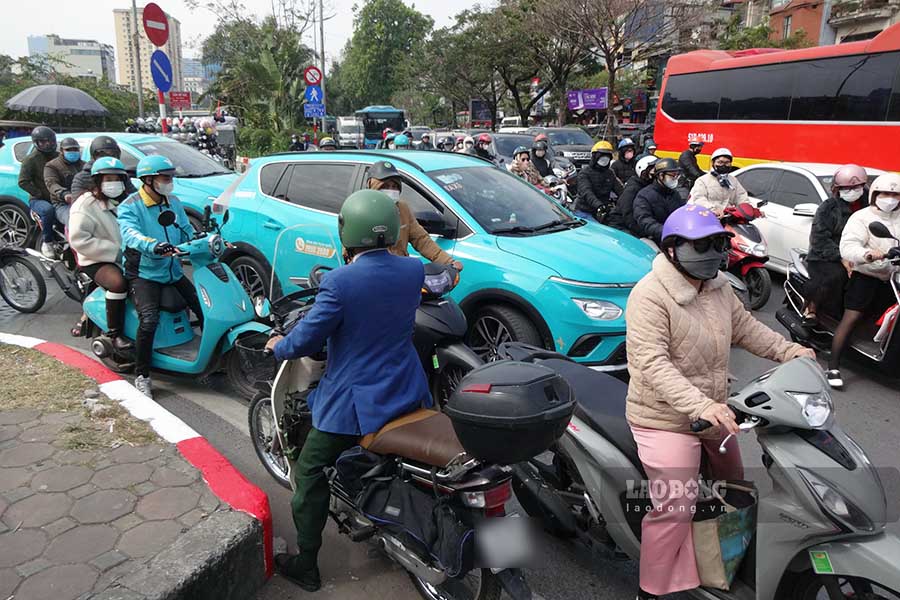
309	505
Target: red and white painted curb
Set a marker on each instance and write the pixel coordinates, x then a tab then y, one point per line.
225	481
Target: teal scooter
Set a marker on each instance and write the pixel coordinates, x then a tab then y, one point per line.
228	314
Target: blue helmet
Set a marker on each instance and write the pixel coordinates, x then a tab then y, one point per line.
108	165
155	165
625	143
401	140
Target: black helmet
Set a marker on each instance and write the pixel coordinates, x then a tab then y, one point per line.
44	139
103	145
69	143
539	145
382	170
666	165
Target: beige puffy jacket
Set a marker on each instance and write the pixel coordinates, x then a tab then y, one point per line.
856	241
94	231
679	342
708	192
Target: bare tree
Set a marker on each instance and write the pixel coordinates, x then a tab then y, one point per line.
620	31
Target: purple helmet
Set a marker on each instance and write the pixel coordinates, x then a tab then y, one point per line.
692	222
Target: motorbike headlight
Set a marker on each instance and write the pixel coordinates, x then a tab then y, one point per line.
559	172
844	512
816	407
598	309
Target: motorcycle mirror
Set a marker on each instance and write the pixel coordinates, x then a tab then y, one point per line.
262	307
166	218
225	217
879	230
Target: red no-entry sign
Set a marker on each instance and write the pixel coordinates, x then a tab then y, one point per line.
312	75
156	24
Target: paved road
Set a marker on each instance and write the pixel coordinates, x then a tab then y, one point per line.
869	409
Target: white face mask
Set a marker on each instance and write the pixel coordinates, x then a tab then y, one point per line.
887	203
392	194
603	161
164	189
112	189
851	195
670	182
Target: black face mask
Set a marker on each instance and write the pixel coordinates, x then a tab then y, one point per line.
700	265
722	169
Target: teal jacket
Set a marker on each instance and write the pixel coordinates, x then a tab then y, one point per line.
141	232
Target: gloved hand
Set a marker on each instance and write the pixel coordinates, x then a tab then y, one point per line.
163	248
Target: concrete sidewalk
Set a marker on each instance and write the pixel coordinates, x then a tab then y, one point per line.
93	504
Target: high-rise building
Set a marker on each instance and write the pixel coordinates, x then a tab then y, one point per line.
125	28
81	58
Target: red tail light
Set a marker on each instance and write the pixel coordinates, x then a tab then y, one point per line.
493	501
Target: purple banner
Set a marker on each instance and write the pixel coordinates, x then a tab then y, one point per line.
594	99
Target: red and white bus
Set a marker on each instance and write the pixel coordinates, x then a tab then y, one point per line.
830	104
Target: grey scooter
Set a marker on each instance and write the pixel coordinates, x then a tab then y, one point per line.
827	501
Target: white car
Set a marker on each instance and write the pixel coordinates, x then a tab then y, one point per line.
794	192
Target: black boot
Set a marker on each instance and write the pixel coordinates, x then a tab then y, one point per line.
642	595
115	322
299	569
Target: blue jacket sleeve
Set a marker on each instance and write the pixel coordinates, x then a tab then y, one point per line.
130	227
311	333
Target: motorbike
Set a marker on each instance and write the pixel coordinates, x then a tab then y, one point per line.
64	267
874	339
820	532
228	314
748	254
21	283
423	461
557	189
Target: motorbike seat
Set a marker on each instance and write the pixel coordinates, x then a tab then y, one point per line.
425	436
170	300
601	403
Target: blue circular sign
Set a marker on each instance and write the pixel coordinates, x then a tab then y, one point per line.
161	70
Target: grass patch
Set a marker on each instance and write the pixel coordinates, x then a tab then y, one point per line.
32	380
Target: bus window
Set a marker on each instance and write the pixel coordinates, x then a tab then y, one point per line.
694	96
759	93
848	88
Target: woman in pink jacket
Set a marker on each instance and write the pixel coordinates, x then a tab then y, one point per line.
682	320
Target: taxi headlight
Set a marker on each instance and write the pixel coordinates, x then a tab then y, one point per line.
598	309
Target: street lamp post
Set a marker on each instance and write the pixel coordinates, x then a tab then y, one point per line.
136	44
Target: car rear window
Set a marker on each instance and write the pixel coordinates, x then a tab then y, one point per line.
317	186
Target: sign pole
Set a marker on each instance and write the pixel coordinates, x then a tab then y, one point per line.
136	42
322	46
162	111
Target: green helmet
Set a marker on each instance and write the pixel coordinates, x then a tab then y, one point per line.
369	219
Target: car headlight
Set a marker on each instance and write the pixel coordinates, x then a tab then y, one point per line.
835	505
598	309
816	407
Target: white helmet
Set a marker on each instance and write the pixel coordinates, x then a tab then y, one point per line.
645	163
721	152
888	182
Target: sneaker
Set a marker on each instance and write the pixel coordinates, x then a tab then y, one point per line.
292	568
144	385
834	378
48	250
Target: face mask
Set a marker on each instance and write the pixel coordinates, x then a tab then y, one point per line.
670	182
851	195
539	153
164	189
603	161
629	155
392	194
722	169
699	265
112	189
72	156
697	149
887	204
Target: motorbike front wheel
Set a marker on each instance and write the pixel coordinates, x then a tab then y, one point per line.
810	586
22	284
759	286
262	432
477	584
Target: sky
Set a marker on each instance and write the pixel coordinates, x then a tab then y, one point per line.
93	19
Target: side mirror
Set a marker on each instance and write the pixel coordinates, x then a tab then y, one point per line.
879	230
166	218
226	216
432	222
761	203
805	210
262	307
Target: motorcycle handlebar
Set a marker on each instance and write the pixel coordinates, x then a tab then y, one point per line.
702	424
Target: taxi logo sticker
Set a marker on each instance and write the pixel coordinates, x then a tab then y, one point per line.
314	248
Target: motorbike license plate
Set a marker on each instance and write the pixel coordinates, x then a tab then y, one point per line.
506	542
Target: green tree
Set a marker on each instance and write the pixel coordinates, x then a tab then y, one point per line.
377	59
738	37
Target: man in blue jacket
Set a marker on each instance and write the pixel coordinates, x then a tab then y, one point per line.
150	260
366	312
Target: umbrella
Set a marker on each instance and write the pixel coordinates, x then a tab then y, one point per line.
57	100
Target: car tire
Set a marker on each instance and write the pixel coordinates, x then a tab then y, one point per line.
258	275
494	324
16	227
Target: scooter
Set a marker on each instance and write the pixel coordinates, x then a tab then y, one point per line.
748	253
417	456
820	531
228	314
64	268
557	189
21	283
876	339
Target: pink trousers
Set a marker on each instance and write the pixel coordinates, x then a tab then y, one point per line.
671	460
